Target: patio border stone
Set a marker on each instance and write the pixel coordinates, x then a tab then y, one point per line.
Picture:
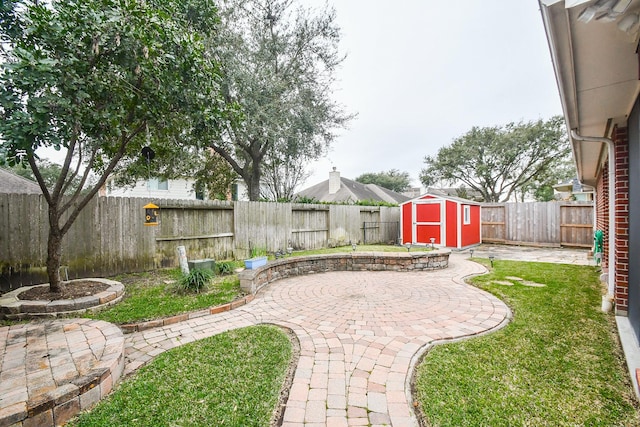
13	308
253	280
56	404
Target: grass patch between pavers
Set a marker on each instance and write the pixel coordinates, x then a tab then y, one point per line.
153	295
231	379
557	363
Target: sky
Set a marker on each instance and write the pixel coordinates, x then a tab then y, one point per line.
420	73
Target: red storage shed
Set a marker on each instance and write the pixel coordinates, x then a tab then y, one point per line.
452	222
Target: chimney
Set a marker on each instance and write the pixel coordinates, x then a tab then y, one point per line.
334	181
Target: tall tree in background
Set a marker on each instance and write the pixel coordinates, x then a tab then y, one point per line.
278	64
541	188
99	79
393	180
500	161
282	175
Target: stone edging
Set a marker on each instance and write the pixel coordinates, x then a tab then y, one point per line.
252	280
59	405
13	308
136	327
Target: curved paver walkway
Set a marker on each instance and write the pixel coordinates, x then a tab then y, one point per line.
360	334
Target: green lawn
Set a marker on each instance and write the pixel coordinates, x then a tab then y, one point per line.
231	379
154	295
556	364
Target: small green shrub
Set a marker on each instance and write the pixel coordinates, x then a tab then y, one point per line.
197	280
225	267
256	252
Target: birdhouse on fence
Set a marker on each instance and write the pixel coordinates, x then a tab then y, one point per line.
151	214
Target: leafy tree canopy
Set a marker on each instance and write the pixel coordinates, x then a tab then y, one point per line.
393	180
278	62
501	161
100	79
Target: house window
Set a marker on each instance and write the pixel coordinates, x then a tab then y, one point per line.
467	215
158	184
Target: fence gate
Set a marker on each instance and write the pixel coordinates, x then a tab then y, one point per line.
576	225
538	223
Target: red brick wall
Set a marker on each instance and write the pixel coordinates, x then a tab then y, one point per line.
621	290
622	220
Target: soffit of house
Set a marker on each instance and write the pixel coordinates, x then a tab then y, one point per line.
596	68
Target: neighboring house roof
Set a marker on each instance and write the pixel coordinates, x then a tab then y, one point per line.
462	193
346	190
573	186
596	66
12	183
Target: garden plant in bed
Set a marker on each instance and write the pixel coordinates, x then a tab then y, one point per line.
162	293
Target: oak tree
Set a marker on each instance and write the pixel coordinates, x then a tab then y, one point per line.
499	161
278	66
393	180
97	79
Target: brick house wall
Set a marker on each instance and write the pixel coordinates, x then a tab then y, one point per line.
621	140
621	290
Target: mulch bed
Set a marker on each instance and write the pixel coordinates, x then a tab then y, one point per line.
71	290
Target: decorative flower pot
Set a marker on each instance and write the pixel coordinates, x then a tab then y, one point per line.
253	263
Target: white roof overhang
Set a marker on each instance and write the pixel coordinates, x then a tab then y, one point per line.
596	67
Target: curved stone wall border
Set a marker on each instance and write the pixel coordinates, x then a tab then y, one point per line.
59	405
16	309
252	280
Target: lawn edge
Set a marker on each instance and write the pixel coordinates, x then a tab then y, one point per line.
131	327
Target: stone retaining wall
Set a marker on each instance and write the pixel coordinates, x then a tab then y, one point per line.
252	280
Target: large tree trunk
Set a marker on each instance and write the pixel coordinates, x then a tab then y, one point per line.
54	255
254	183
54	251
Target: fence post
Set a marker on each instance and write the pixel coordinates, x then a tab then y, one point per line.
182	257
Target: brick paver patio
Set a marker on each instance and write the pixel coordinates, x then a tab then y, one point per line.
360	334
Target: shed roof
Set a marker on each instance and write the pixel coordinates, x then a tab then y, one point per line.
351	191
450	198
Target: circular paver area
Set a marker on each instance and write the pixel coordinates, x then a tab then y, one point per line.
360	335
51	370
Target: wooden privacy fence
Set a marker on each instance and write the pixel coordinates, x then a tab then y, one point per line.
538	223
109	236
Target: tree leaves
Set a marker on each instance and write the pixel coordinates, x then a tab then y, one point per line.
101	78
501	161
393	180
277	66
